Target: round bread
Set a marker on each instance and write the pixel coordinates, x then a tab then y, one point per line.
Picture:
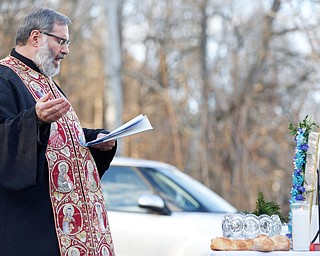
262	243
281	243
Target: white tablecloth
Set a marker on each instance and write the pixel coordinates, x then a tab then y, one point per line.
254	253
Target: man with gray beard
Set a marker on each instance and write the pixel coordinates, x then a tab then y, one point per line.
40	132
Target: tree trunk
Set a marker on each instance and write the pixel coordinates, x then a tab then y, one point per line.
112	66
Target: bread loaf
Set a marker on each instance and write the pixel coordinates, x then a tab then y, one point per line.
261	243
281	243
226	244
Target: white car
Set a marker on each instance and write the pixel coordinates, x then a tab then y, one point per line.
155	209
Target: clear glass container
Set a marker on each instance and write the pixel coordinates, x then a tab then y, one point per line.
246	226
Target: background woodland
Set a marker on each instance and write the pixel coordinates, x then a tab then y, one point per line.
219	80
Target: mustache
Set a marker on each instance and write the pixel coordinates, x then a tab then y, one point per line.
60	56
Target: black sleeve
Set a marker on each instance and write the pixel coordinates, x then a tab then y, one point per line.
23	141
102	158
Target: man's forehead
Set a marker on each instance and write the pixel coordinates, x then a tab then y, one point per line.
61	29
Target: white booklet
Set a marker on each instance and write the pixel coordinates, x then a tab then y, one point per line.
138	124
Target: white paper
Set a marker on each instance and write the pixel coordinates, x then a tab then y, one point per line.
136	125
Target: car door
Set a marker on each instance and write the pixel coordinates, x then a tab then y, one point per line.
137	231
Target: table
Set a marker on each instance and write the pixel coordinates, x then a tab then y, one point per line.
255	253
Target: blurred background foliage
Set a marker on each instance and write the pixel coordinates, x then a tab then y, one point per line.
219	80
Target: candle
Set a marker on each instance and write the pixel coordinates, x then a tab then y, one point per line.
300	227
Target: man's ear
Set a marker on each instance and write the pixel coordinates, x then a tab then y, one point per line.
34	38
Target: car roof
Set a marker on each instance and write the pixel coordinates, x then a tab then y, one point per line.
129	161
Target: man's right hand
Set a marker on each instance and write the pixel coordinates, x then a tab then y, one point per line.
50	110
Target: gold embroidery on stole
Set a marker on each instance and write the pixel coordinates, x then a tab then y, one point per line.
79	209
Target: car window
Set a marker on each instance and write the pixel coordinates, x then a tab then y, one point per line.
205	196
122	187
176	197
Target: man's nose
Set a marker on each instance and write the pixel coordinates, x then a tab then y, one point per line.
65	49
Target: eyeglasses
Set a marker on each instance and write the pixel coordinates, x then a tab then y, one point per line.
61	42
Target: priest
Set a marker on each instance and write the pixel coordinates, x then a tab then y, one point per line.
48	205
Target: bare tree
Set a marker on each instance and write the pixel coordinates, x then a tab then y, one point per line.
219	80
232	104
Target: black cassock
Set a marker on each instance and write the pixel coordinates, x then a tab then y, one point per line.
26	218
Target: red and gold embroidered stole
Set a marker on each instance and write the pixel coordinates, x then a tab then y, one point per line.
78	206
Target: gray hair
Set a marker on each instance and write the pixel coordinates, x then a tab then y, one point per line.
42	19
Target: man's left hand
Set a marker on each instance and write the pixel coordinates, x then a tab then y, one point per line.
104	146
